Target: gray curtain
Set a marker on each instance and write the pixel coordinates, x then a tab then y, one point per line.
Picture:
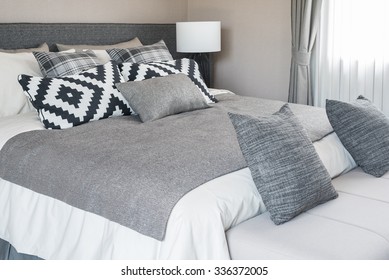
305	21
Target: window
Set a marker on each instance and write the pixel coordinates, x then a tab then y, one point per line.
351	55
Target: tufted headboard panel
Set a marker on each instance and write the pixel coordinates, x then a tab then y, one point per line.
29	35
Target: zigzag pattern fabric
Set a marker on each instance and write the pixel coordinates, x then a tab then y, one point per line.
189	67
64	102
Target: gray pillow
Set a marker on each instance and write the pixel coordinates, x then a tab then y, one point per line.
42	48
285	167
364	132
159	97
54	64
129	44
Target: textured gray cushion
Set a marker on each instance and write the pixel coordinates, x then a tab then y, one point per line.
189	67
54	64
284	164
364	131
163	96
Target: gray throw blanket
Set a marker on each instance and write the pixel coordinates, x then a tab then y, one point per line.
134	173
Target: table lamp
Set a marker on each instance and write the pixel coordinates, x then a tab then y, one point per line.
199	39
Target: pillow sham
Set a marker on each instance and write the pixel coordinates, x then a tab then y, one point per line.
284	164
42	48
142	54
54	64
189	67
163	96
12	99
128	44
65	102
364	131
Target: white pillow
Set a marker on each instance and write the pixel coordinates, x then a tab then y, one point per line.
12	99
102	56
336	159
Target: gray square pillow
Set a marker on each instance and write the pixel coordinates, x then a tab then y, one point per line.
54	64
364	132
159	97
285	167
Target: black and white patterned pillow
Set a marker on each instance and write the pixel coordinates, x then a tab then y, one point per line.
54	64
65	102
141	54
189	67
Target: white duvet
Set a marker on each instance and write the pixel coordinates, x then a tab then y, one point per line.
39	225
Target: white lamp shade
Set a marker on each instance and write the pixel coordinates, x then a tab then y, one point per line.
198	36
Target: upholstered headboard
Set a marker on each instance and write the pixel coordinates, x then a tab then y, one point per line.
29	35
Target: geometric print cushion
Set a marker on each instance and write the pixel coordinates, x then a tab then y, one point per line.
143	71
65	102
141	54
54	64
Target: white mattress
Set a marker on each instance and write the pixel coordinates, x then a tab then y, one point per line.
39	225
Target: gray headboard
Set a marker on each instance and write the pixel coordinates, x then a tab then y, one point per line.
29	35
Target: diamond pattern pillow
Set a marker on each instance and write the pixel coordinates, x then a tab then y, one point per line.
189	67
285	167
141	54
364	131
54	64
65	102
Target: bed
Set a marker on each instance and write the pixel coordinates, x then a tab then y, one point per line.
179	187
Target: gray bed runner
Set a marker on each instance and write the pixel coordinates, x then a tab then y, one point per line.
134	173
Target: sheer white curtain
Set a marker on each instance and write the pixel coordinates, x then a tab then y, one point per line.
351	55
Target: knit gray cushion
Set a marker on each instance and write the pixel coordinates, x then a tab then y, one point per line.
159	97
364	131
284	164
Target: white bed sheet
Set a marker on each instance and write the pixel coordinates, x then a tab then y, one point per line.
39	225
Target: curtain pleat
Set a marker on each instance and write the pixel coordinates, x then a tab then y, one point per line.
305	19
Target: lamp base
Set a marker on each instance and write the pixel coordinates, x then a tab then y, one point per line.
204	62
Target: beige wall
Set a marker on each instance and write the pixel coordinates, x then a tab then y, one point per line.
126	11
255	55
256	44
